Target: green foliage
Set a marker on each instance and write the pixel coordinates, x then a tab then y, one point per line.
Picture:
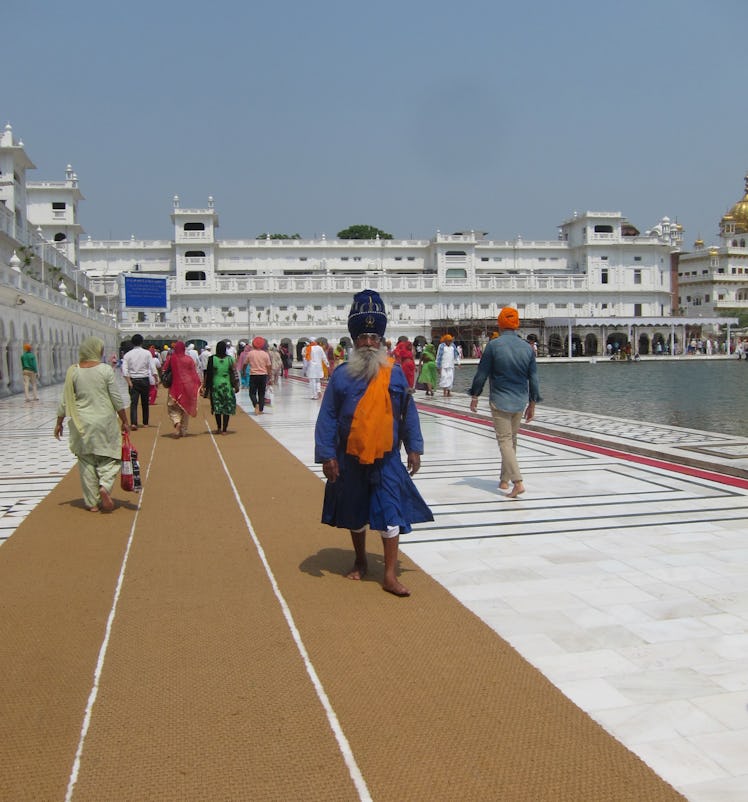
278	236
363	232
740	314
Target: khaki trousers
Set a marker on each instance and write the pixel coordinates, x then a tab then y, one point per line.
506	426
29	385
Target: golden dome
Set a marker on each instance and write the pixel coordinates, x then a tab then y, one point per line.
736	220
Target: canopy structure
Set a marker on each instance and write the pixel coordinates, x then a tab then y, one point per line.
632	324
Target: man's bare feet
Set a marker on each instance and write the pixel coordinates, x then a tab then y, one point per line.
517	490
396	588
503	485
358	572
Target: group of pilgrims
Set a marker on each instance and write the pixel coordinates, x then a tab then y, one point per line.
430	368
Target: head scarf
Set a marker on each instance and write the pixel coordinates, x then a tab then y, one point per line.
508	318
259	343
90	350
367	315
185	381
241	360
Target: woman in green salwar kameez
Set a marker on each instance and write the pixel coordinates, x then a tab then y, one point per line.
428	374
92	402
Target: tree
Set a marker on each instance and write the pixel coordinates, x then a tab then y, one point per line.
363	232
740	314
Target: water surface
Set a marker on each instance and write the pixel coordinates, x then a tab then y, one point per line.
698	394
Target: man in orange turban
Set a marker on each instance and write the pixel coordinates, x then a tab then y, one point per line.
509	365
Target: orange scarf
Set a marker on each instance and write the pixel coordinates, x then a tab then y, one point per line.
371	429
308	353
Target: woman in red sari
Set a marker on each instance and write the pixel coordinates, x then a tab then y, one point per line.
185	385
403	354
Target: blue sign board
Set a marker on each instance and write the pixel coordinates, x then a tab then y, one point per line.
145	292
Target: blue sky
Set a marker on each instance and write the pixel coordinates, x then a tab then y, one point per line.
412	116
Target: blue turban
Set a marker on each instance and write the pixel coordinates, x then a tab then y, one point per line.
367	315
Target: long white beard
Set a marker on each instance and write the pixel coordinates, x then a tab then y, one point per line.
365	362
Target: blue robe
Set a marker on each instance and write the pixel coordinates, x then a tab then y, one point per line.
382	494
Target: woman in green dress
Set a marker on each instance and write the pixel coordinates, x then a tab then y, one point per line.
428	374
219	385
92	402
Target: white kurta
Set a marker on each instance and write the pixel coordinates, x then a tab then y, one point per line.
446	361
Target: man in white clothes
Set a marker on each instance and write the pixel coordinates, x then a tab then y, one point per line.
205	355
315	358
137	369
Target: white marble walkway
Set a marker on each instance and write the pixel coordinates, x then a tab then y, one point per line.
624	582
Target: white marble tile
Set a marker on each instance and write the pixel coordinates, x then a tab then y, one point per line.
677	629
729	708
593	694
677	757
724	789
585	665
726	749
661	721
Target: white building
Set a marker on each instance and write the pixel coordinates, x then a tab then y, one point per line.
45	299
715	278
599	265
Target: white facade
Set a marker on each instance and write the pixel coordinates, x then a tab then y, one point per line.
714	279
45	299
598	265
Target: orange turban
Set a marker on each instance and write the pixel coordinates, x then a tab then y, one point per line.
508	318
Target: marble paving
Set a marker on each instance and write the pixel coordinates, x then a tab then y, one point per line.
625	584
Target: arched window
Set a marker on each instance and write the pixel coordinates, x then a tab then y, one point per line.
194	226
461	254
195	254
59	237
603	229
195	275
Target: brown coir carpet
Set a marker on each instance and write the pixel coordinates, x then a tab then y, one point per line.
203	694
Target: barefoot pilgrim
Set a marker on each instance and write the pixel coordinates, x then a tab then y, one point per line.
364	418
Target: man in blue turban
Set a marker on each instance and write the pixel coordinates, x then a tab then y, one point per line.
364	417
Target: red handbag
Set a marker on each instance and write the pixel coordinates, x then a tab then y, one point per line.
127	481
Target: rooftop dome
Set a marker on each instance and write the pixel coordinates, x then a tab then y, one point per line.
736	220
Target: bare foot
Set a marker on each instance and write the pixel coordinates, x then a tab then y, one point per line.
517	490
93	509
106	500
358	572
396	588
503	485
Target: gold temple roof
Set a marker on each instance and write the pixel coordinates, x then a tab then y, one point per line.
736	220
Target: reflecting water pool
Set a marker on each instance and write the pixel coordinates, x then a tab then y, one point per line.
699	394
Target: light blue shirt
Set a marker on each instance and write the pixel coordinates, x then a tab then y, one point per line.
511	369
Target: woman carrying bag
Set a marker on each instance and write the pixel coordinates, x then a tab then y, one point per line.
91	401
